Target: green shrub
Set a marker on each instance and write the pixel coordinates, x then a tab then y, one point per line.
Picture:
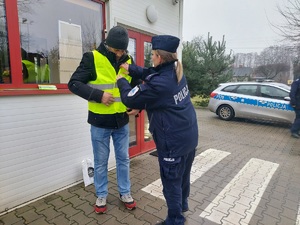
201	101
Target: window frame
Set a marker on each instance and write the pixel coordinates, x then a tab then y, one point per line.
17	87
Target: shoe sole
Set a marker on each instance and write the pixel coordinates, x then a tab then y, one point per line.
130	208
127	207
100	212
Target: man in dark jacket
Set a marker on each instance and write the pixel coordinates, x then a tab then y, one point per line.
295	102
95	81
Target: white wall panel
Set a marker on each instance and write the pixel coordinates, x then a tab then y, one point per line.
133	14
43	140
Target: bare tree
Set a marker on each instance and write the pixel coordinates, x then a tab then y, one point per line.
24	6
245	59
90	35
274	63
274	55
272	71
290	29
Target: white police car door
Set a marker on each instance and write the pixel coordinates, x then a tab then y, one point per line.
272	105
246	101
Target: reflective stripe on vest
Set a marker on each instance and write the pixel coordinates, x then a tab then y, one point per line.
106	81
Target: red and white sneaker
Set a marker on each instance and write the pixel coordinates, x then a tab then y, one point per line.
100	206
128	201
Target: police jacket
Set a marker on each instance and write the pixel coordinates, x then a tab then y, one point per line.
86	73
171	115
295	94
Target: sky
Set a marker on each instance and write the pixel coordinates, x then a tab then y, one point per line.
246	24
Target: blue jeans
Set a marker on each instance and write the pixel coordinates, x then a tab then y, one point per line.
101	141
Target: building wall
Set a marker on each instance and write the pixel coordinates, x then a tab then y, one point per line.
133	15
43	139
43	142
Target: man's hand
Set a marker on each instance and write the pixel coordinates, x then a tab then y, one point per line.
107	99
133	112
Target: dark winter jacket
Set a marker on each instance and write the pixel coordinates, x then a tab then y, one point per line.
86	72
295	94
172	117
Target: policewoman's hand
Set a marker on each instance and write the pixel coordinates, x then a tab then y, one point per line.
119	76
107	98
125	66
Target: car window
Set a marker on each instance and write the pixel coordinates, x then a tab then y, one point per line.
273	92
230	88
284	86
247	90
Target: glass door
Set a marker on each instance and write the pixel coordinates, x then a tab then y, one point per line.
147	143
140	138
133	121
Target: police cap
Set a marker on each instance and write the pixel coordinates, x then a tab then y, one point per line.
165	42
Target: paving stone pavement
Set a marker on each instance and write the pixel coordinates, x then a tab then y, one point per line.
245	172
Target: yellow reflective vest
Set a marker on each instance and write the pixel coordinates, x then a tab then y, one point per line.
32	75
106	81
36	74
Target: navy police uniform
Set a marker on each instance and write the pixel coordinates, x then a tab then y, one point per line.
173	125
295	102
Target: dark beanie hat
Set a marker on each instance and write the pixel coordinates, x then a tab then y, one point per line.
117	38
165	42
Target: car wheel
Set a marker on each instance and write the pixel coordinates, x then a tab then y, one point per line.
225	112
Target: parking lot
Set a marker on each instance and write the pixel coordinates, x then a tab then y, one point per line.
245	172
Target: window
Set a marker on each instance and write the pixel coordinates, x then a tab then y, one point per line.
147	54
132	48
247	90
48	39
4	54
54	34
230	88
273	92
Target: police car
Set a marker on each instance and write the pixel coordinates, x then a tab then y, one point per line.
252	100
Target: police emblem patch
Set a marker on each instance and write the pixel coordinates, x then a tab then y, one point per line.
133	91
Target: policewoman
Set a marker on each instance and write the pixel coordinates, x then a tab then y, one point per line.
172	118
295	102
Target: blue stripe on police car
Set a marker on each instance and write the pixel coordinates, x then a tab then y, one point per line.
255	102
